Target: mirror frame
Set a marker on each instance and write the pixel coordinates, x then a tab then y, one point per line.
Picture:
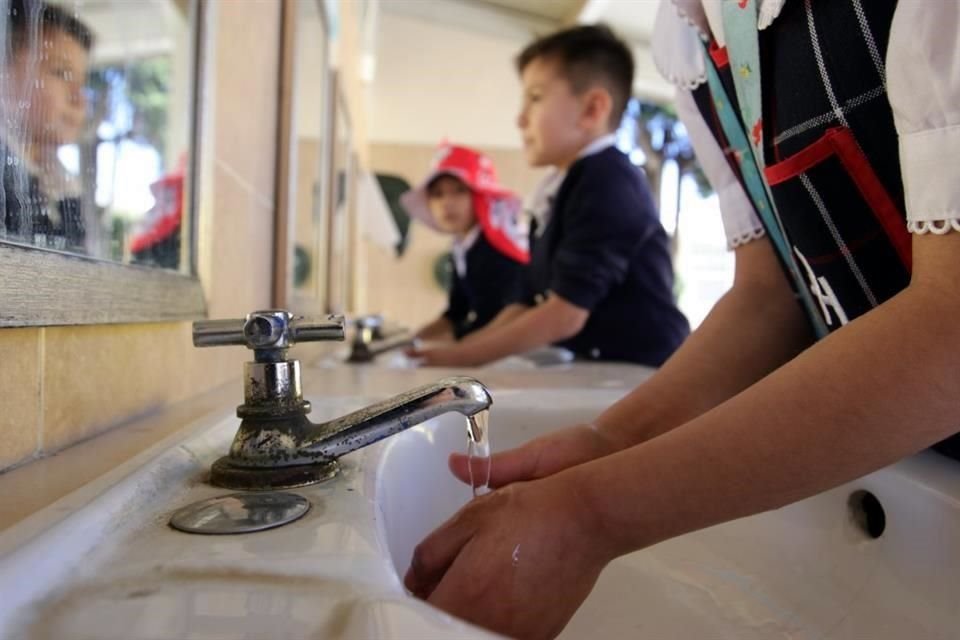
43	287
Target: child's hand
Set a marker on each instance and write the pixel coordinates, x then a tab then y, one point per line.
539	457
413	351
522	541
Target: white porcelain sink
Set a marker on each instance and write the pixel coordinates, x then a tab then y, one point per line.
102	563
806	571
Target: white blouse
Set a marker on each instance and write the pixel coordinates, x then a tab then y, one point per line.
923	86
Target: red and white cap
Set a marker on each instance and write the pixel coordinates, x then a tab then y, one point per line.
498	209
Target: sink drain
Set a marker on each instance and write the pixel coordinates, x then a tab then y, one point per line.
240	513
867	513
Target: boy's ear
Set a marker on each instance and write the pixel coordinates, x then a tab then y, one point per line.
597	105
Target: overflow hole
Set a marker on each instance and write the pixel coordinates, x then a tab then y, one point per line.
867	513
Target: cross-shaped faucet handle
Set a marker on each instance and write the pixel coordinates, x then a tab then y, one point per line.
268	332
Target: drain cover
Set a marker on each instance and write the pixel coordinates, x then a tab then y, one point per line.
240	513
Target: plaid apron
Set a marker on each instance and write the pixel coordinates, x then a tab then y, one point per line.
822	135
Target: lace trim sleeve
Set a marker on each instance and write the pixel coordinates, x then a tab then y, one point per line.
936	227
676	47
746	237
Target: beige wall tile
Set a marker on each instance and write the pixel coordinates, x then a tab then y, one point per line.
243	250
95	377
20	382
247	75
246	79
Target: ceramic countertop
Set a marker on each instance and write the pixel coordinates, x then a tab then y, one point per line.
35	485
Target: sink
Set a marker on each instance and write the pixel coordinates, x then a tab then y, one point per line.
415	490
810	570
103	564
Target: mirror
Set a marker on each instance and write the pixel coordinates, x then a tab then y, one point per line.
303	249
341	207
96	127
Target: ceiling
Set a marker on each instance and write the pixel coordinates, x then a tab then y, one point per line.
518	21
555	10
633	19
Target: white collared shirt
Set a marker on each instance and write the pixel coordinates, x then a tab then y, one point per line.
540	203
460	248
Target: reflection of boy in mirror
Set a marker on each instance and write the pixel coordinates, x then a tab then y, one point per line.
43	105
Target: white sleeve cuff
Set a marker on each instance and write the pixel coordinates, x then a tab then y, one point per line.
923	84
740	221
929	164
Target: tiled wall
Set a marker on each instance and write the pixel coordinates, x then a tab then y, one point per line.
60	385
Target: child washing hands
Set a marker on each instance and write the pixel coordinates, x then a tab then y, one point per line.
600	279
461	197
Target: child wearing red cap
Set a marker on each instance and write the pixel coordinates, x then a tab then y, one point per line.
461	197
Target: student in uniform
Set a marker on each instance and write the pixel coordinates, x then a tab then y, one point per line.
461	197
835	352
43	107
600	280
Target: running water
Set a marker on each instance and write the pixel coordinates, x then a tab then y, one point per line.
478	448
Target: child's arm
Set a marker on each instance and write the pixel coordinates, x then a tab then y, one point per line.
507	314
878	389
754	328
881	388
531	327
440	330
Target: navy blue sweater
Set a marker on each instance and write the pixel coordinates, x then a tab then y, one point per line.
604	250
492	281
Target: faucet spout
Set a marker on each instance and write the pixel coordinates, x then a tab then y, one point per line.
373	337
271	451
355	430
368	351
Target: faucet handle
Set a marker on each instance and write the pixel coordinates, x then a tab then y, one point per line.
268	330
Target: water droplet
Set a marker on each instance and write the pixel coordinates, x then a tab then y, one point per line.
515	558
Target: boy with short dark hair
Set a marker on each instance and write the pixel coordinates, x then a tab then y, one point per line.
600	281
43	108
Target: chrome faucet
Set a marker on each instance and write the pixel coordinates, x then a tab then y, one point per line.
276	445
372	336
